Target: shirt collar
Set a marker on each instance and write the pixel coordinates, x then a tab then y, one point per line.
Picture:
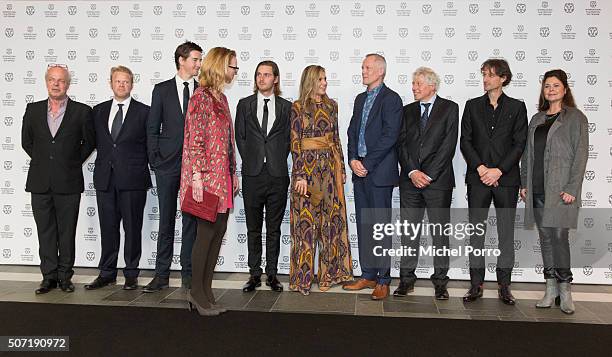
375	91
431	100
63	103
126	102
179	80
261	97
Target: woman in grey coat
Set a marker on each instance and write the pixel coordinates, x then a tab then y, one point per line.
552	170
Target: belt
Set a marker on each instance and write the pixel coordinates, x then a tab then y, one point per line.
327	142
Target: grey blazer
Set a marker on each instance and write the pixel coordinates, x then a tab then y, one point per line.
565	159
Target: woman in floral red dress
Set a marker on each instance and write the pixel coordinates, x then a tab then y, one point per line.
209	165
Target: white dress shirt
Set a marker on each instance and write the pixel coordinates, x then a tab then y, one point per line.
271	110
180	86
115	109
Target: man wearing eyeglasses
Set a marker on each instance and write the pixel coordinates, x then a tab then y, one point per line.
58	136
263	139
165	129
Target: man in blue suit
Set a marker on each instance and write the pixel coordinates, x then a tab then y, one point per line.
372	135
121	178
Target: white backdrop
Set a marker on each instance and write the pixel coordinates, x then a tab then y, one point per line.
452	37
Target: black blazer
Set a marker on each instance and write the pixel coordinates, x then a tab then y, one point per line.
165	128
127	156
433	151
56	163
252	144
500	149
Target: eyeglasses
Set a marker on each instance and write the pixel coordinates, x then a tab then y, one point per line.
234	67
52	65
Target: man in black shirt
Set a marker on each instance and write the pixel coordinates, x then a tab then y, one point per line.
493	136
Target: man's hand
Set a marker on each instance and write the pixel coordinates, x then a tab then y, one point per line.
567	198
358	168
301	187
236	184
523	193
419	179
491	176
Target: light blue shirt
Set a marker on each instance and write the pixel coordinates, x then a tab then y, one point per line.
362	150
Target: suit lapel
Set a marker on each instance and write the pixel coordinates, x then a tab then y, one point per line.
43	117
277	115
66	117
105	114
126	119
253	114
556	125
174	94
435	110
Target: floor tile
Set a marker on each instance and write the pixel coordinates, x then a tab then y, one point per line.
369	308
322	302
394	306
263	300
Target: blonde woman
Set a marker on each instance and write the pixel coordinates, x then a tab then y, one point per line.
318	210
209	165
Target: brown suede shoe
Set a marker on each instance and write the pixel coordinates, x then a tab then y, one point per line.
359	284
380	292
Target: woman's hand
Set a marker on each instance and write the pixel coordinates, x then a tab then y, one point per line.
567	198
523	193
197	188
236	184
343	178
301	187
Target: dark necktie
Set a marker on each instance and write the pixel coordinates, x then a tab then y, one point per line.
424	116
117	122
264	120
185	97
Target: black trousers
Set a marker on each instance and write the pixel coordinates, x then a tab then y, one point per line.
413	204
167	193
204	258
554	244
56	217
270	193
115	206
479	200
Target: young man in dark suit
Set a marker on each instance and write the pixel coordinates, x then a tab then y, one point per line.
58	136
263	139
165	130
121	178
372	135
426	148
493	136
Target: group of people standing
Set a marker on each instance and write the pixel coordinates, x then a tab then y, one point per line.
188	139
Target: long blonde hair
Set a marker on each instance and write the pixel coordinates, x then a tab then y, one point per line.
308	84
214	66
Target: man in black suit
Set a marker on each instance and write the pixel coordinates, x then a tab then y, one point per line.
426	147
493	136
263	139
165	130
58	136
121	178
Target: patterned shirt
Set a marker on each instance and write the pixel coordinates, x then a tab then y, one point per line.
370	98
54	120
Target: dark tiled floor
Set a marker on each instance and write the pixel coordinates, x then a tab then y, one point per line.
330	302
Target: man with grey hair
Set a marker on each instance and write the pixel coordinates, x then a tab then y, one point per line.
372	135
58	136
426	147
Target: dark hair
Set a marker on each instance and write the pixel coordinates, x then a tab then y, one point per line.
275	72
500	67
568	98
183	50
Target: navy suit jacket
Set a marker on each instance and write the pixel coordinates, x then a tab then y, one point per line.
127	156
382	130
166	128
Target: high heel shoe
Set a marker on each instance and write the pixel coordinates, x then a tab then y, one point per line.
201	310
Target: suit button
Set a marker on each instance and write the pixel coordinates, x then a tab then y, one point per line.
52	141
51	157
114	145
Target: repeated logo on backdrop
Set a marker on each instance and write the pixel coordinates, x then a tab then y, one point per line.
453	37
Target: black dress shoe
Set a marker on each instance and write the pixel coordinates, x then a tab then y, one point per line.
67	286
251	284
441	293
100	282
157	284
130	284
274	284
403	289
186	282
473	294
46	286
505	295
